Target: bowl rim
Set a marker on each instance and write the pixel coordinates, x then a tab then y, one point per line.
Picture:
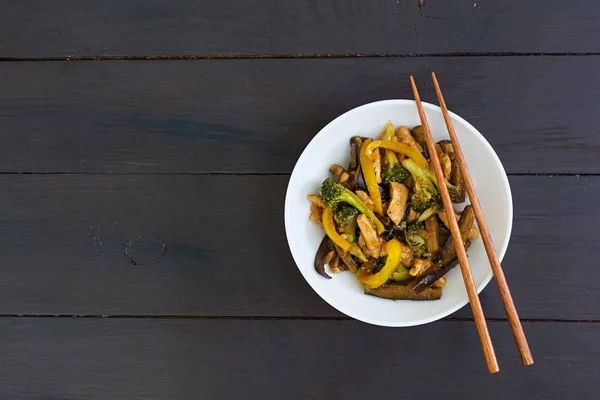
501	251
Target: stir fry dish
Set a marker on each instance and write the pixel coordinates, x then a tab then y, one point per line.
384	219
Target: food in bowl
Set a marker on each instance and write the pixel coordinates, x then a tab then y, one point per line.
344	292
384	219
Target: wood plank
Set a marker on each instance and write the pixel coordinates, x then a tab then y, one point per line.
38	28
219	359
171	116
65	247
545	262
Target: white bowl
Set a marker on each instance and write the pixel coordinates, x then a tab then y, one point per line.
331	145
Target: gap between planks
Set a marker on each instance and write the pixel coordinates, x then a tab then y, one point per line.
239	173
267	318
291	56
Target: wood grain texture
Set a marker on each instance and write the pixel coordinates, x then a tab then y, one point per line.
38	28
174	116
219	359
486	236
66	242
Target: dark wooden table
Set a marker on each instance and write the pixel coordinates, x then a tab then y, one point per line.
145	148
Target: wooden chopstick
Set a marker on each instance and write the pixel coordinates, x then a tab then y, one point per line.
509	305
482	329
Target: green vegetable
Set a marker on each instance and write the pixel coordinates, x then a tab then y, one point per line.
336	238
429	212
334	194
393	173
453	190
345	218
416	242
425	193
401	274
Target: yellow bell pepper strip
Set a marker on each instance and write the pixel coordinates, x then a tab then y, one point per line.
389	134
368	171
329	227
397	147
393	248
334	194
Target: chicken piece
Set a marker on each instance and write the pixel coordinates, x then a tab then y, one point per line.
363	246
316	208
376	157
407	256
369	241
404	136
329	257
473	233
316	214
335	266
373	253
444	218
419	266
412	215
337	171
440	282
317	200
368	232
344	177
397	206
445	163
365	198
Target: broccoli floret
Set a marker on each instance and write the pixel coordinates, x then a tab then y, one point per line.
425	194
334	194
415	241
345	217
393	173
453	190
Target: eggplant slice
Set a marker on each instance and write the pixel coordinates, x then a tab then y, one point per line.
432	275
323	252
448	258
399	291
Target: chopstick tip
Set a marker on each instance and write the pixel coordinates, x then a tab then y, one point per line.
528	360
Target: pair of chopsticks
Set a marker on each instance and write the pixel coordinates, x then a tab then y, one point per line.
509	306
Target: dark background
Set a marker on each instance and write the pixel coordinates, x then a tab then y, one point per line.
145	149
